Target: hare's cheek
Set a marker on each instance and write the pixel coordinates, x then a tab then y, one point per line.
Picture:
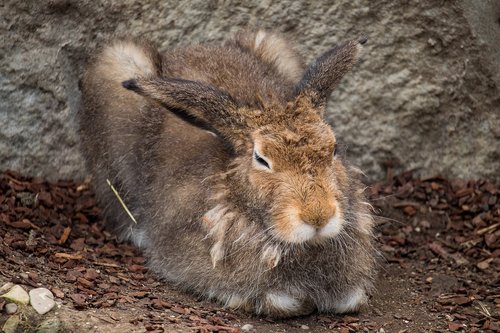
301	232
333	226
290	228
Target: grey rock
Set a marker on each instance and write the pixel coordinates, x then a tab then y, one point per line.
17	295
426	94
42	300
10	308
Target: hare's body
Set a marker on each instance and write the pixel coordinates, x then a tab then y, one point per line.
198	223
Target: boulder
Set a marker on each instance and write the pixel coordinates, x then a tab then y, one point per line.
425	95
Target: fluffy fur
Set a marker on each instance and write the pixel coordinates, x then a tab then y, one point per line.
262	216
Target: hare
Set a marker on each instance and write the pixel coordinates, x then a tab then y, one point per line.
223	157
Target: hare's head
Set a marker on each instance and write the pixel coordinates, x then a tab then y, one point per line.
284	152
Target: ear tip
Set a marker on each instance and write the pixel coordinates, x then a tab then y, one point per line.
130	85
362	40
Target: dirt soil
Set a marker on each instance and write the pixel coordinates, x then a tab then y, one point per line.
439	242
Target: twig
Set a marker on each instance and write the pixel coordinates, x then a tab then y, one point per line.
121	201
68	256
485	230
99	263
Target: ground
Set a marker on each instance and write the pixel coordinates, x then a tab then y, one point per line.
439	243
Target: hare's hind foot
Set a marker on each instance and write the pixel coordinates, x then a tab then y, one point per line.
278	304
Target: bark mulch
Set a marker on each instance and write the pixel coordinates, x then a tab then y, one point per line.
439	241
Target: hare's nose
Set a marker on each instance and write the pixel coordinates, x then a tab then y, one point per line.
318	217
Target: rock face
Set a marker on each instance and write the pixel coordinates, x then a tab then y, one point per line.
426	94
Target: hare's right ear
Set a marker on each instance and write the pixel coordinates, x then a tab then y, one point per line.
199	103
324	74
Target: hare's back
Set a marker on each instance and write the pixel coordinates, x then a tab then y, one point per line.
240	73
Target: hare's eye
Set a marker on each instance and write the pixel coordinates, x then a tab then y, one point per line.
261	160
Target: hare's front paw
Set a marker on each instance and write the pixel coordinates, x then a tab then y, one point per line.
281	304
351	302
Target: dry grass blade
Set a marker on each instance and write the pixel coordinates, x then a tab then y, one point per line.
483	309
487	229
105	264
121	201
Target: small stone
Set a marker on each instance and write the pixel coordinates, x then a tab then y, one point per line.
52	325
17	295
11	324
42	300
429	279
10	308
304	327
247	328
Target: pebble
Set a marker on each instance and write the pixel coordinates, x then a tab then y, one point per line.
247	327
304	327
10	308
17	294
42	300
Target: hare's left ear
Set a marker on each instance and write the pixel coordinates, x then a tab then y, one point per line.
325	73
199	103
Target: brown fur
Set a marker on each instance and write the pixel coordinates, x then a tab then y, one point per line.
212	217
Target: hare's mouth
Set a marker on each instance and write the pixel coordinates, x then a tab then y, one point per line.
292	229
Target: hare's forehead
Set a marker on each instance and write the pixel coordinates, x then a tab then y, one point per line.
306	141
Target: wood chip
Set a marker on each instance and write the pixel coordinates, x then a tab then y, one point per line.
69	256
65	235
